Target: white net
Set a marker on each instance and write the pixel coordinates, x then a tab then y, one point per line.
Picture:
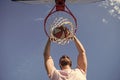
62	22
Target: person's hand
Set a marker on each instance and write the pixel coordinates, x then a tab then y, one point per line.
52	39
71	36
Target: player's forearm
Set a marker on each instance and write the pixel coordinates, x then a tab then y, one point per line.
79	46
47	49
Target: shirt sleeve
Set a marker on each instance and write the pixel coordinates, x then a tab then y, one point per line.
78	67
54	75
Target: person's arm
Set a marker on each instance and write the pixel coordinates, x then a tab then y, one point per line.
82	59
49	64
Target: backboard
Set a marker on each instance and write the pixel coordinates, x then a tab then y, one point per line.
52	1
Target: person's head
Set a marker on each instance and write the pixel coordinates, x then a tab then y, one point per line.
65	61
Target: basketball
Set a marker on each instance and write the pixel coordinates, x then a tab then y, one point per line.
61	32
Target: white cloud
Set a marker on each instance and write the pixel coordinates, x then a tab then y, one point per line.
113	7
39	19
104	20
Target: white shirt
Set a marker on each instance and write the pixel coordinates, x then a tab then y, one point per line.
66	74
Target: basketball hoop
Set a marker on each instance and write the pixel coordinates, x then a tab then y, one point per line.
62	22
60	15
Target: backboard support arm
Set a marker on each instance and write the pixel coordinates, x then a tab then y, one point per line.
60	5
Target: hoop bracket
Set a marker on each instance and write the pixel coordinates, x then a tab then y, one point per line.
60	5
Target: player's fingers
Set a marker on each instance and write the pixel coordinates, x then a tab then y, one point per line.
52	39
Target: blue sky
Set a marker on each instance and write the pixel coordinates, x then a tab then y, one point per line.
22	41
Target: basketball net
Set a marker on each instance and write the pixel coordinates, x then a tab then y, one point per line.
57	23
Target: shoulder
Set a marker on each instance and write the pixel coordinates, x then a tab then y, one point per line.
79	71
54	74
